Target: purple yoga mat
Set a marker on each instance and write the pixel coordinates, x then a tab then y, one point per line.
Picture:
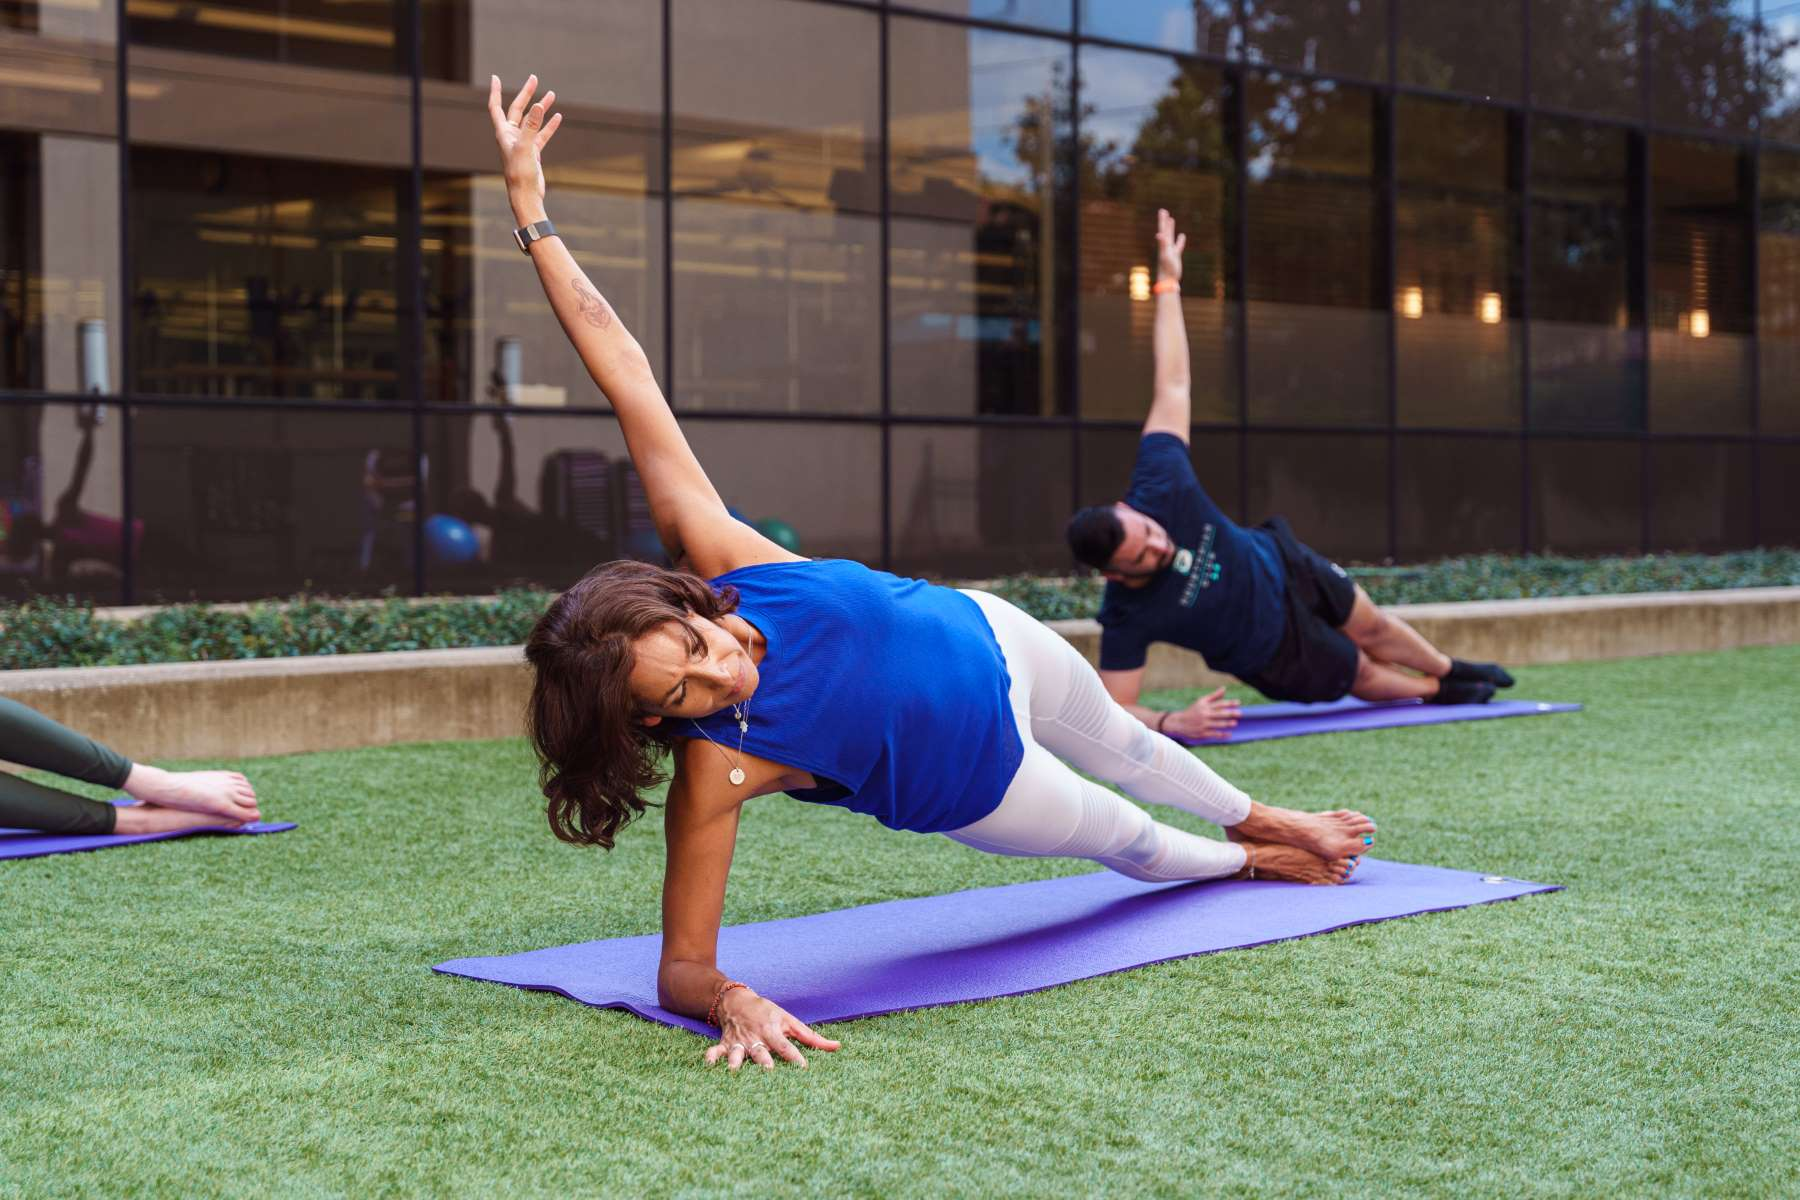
997	941
1262	722
27	843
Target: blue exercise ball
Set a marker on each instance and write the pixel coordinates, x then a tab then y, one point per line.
645	546
738	514
450	542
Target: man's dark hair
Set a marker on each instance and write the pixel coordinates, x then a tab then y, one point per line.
1094	534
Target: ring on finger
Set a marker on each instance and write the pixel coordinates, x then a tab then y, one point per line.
759	1046
738	1046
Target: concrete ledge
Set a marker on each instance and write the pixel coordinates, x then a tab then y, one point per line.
261	706
268	706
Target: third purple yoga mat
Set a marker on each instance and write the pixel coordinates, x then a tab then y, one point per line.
1266	722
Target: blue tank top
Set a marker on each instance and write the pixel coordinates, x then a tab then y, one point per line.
894	689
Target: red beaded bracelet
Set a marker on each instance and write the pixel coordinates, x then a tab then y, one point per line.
712	1014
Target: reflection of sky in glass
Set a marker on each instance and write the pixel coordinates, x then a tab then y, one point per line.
1170	23
1118	90
1045	14
1166	23
1005	69
1783	22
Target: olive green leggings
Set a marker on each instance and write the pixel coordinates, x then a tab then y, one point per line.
31	739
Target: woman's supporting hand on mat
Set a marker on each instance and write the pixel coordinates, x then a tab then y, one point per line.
1211	716
755	1029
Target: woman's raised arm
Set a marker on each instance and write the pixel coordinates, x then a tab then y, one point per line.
690	517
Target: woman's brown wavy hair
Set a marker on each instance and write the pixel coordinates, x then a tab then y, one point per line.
595	756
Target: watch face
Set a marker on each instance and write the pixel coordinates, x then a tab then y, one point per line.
519	237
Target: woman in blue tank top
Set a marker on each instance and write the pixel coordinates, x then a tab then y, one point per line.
758	671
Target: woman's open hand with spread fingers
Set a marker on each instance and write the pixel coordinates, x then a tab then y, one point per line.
755	1029
522	133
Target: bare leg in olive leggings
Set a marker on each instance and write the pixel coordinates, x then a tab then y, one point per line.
171	800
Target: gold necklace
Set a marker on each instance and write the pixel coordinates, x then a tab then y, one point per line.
741	713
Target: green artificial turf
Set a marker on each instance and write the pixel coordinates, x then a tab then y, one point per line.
245	1016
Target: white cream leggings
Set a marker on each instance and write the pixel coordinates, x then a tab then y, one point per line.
1066	717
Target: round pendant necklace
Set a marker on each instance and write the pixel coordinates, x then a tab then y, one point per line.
741	714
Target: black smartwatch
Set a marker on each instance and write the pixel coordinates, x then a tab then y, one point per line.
537	231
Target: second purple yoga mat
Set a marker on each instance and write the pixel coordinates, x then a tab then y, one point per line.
989	942
1265	722
26	843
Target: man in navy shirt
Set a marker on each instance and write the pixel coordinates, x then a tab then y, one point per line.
1256	603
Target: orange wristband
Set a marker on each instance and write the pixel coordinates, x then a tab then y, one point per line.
712	1014
1165	285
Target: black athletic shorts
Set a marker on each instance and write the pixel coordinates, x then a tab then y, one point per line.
1315	661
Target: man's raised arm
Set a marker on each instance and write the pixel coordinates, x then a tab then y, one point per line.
1171	407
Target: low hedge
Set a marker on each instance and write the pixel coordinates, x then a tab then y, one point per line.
56	633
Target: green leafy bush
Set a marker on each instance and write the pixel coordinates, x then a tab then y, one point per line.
57	633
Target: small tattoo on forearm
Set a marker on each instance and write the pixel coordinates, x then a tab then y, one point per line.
594	308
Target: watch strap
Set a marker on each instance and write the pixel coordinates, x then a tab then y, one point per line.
537	231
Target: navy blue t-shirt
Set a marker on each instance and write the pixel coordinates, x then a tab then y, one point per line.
1222	594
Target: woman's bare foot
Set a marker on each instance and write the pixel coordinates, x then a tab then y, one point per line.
1328	835
1275	861
216	793
153	818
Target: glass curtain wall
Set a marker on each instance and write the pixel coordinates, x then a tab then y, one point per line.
1514	276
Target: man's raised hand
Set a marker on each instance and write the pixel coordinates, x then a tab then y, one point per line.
1168	247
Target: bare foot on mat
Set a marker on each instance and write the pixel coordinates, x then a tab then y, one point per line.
1328	835
218	794
1275	861
154	818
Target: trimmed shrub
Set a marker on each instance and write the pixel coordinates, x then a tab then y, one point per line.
58	633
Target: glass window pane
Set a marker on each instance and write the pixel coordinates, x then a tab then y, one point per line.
1190	26
1318	332
58	67
1586	497
979	183
1700	343
1700	498
218	104
1457	258
1780	56
545	497
1586	350
1703	64
241	503
1333	489
1469	48
1334	37
1156	138
1108	455
1044	14
1778	494
777	239
265	277
1457	495
972	503
1778	292
61	531
59	262
369	35
1584	56
604	177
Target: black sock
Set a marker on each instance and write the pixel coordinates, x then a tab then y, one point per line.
1462	691
1464	671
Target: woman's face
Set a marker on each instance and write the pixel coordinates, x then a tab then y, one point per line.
670	678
